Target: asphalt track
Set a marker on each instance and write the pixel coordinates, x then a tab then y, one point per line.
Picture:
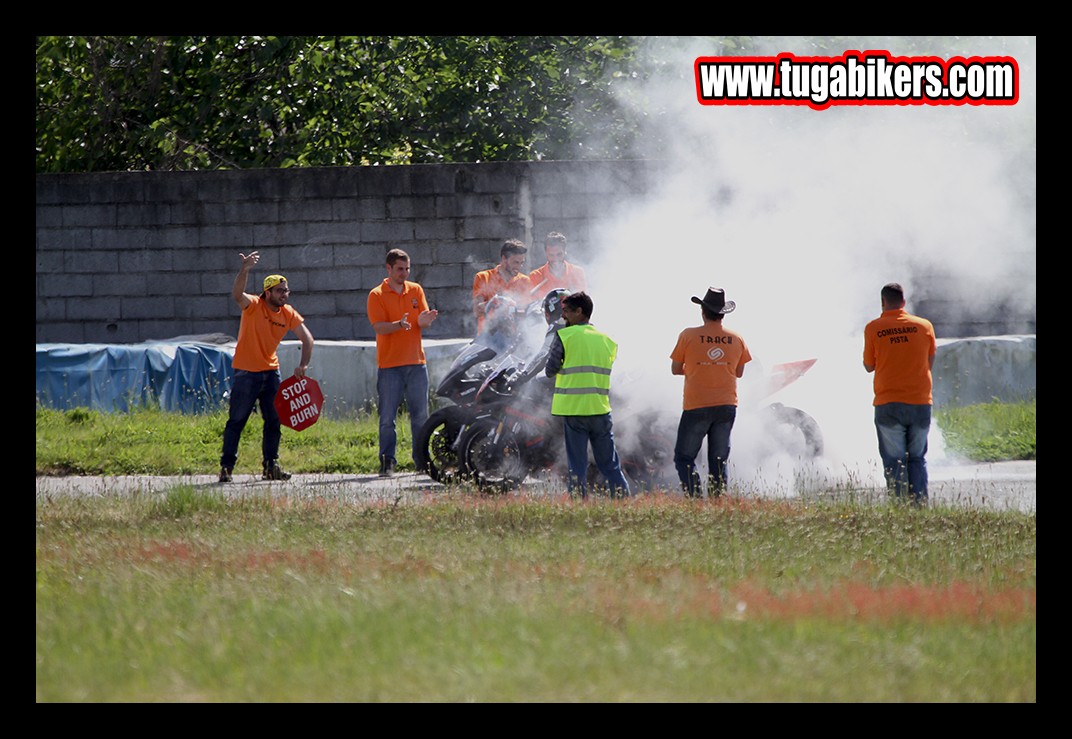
997	486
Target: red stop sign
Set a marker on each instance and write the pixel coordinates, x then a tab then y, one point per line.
299	402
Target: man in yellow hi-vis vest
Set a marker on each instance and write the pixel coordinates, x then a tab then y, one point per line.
580	360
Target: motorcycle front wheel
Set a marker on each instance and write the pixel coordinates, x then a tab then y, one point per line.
491	458
434	449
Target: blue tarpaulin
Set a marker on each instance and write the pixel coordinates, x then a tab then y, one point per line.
179	376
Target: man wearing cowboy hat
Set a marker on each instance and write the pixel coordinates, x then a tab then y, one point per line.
711	358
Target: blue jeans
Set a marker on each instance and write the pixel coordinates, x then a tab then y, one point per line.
713	423
902	444
598	430
392	385
247	389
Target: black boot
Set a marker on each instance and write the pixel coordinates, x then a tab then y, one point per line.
387	466
693	488
272	471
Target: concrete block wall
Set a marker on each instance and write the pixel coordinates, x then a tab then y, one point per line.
127	257
136	256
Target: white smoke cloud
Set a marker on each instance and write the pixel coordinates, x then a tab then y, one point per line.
802	215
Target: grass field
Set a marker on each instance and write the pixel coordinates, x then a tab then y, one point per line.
148	441
192	596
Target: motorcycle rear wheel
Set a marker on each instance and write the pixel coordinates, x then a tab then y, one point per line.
491	459
434	449
795	430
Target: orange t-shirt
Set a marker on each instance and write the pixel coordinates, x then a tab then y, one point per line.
259	334
899	345
489	283
710	355
544	282
401	348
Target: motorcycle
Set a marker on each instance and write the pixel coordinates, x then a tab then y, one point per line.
511	435
509	333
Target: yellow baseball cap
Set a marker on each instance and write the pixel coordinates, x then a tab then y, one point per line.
272	280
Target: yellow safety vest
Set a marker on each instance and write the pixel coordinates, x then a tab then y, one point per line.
582	386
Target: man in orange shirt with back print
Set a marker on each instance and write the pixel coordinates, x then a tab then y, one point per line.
900	349
712	359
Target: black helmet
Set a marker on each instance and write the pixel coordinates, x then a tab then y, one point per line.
552	304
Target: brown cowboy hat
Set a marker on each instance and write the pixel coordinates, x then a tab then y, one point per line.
715	301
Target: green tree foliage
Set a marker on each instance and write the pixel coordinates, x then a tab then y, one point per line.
108	103
116	103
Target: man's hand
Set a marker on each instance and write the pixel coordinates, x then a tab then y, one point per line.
425	319
238	289
403	322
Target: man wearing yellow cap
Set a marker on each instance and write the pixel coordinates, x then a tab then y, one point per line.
266	319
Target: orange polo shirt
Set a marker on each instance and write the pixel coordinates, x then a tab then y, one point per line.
544	282
401	348
899	345
259	334
710	355
489	283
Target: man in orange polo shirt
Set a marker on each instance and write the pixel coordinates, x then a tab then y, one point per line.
398	310
900	349
711	358
557	272
266	319
504	279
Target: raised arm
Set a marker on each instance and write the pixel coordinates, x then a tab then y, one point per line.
238	290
